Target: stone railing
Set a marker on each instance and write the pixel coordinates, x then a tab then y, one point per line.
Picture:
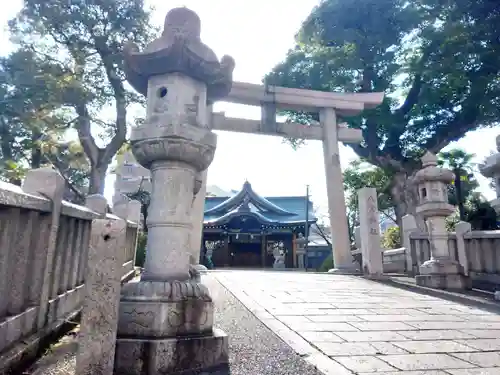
482	249
44	245
420	250
394	260
478	252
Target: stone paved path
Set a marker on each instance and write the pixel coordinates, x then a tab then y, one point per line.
345	325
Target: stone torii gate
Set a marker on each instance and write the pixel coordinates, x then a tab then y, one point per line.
329	131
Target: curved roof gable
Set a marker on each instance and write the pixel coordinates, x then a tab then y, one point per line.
245	197
259	217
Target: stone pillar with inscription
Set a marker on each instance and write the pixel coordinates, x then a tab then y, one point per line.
166	319
442	271
369	224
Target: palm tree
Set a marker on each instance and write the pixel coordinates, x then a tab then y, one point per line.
460	163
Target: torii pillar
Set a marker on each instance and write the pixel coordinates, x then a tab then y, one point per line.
337	210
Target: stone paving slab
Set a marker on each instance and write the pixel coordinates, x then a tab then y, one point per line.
350	325
253	348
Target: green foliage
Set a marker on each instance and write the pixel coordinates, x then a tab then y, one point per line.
452	221
81	46
140	255
33	127
480	214
327	264
460	163
392	238
437	62
360	174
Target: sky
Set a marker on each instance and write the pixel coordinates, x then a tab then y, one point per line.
257	34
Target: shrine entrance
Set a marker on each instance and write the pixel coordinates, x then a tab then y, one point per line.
246	230
245	251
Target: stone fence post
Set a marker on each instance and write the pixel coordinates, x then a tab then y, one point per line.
461	229
129	210
409	225
97	338
47	183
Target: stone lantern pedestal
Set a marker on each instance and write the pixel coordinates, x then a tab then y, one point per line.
166	318
442	271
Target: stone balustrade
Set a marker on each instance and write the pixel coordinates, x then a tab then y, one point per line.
480	261
44	245
394	260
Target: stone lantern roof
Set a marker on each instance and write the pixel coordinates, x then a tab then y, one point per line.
431	172
491	166
179	50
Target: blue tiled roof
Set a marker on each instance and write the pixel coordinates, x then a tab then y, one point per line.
267	210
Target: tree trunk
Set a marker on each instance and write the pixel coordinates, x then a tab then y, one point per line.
97	179
405	197
459	194
36	152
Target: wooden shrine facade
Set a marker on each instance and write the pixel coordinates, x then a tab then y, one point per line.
243	231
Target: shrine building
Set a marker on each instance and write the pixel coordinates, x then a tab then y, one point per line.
243	230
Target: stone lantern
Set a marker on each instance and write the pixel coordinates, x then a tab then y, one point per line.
166	319
301	243
491	169
441	270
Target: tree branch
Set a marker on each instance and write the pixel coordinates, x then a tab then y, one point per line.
390	217
322	234
416	87
469	115
61	168
84	134
120	101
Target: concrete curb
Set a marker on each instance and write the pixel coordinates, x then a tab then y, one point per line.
303	348
480	300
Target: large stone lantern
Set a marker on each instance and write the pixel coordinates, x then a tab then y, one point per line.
166	318
491	169
441	270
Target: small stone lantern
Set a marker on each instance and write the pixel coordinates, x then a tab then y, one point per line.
491	169
441	271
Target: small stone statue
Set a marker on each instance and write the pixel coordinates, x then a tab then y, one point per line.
279	258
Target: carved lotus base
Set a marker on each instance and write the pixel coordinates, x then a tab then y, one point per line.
165	309
207	354
197	154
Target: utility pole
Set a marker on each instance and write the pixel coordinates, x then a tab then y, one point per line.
306	234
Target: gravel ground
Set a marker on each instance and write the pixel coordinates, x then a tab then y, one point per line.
254	349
